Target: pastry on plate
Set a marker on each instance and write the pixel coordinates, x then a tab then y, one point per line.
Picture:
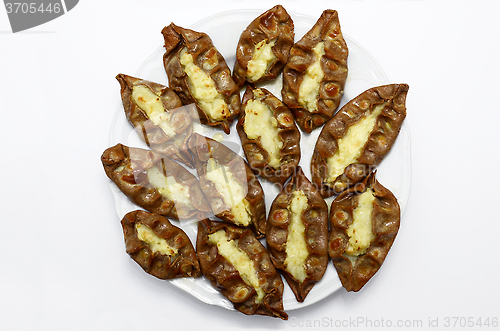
198	73
315	74
297	234
269	136
238	266
157	114
160	248
357	138
232	189
263	47
364	221
155	183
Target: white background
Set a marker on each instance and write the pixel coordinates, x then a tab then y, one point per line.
63	265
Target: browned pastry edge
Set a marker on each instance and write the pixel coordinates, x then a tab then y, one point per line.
257	156
275	23
127	168
379	143
386	222
227	280
204	148
208	59
180	120
315	219
333	64
183	264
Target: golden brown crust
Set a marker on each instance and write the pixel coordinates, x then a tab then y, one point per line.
315	219
127	168
334	66
273	24
226	279
208	59
380	141
183	264
179	118
256	154
204	148
385	220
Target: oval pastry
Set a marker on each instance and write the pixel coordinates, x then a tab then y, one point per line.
269	136
315	74
263	47
357	138
198	73
232	189
297	234
160	248
157	114
155	182
238	266
364	221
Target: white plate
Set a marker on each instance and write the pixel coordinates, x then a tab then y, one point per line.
364	72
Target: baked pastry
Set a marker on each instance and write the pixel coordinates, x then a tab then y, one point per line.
297	234
263	47
231	188
315	74
160	248
364	221
269	136
238	266
357	138
155	183
157	114
198	73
